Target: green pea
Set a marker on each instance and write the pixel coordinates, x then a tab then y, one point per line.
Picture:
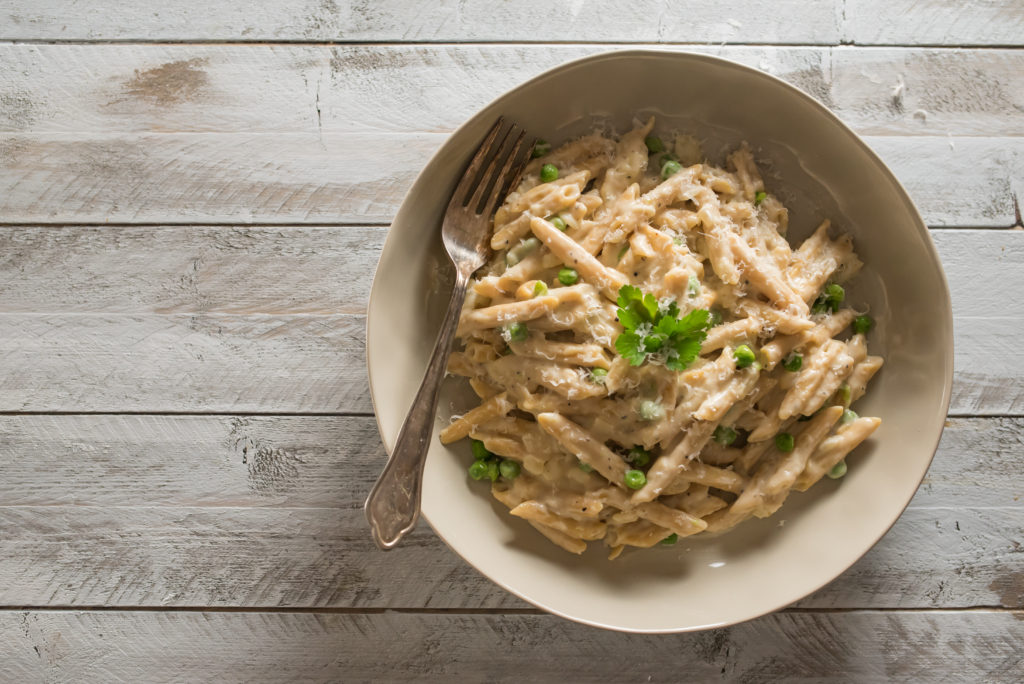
520	251
635	479
480	452
540	288
784	441
654	144
558	222
829	299
693	286
649	409
848	417
597	375
666	158
793	363
843	394
548	173
585	467
509	469
744	356
478	470
540	148
669	168
670	539
724	435
760	196
837	471
639	457
862	324
517	332
714	317
568	276
492	470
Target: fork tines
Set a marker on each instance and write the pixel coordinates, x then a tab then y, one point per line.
502	153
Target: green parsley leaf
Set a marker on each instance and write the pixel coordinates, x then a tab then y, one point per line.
686	352
627	294
630	347
695	321
649	330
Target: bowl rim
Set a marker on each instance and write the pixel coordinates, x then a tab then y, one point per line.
487	113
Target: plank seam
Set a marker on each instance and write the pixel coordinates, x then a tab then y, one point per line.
345	610
842	43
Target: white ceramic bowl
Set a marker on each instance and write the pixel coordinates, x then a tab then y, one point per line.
821	169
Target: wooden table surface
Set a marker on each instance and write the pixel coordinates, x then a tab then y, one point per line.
194	195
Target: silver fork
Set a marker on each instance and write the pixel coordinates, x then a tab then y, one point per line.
394	503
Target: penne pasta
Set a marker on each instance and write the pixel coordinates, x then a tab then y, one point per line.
653	359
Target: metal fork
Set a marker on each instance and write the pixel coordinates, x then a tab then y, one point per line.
393	506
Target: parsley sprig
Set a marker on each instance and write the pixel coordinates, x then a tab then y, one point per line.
653	331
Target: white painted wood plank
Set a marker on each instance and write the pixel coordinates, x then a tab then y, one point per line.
748	21
318	269
343	178
902	22
174	318
65	646
172	133
431	88
332	461
934	22
266	511
197	177
309	363
323	557
187	269
180	362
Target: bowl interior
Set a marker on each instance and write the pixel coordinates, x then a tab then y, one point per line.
822	170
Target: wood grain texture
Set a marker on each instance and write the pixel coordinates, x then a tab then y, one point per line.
200	318
434	88
757	21
183	362
865	22
243	647
284	178
323	558
157	133
934	22
266	512
188	269
331	462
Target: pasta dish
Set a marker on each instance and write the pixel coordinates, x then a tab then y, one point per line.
652	357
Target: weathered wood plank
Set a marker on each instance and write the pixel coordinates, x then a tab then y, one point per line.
169	363
67	646
323	557
934	22
332	461
343	178
317	269
749	21
187	269
196	177
194	133
170	319
417	88
266	511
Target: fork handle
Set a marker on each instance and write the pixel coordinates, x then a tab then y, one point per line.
394	503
